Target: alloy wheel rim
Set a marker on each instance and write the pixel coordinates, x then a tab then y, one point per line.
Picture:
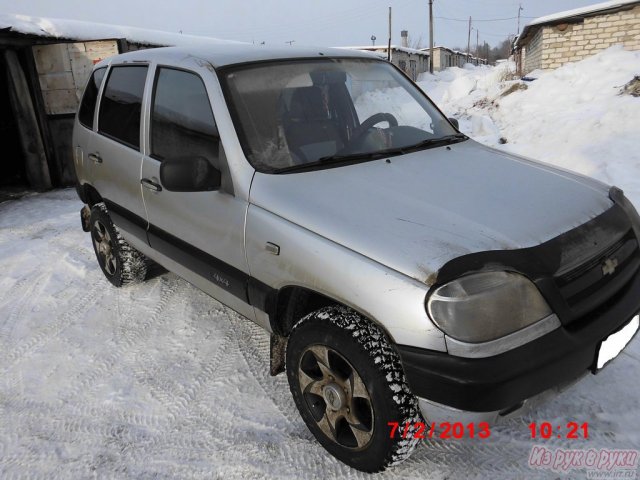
104	247
336	397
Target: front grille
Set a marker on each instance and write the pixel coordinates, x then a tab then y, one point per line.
591	284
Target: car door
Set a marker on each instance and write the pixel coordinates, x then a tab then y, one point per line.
115	153
201	233
83	132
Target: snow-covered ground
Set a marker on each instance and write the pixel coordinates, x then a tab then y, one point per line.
160	381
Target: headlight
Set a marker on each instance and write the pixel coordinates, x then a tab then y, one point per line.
485	306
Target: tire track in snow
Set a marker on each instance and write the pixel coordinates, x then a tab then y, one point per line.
175	400
51	331
130	335
21	291
254	344
43	420
215	436
79	421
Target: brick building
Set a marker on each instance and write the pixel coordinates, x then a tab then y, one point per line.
550	42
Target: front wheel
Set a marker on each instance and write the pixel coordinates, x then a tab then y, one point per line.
348	383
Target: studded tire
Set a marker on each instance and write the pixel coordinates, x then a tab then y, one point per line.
120	262
358	354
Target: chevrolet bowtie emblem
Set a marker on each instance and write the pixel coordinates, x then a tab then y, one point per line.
609	266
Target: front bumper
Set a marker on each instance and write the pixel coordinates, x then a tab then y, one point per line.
437	413
503	382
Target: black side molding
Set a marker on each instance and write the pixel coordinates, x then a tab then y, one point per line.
227	277
127	220
213	269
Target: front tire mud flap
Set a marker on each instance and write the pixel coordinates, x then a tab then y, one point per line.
85	215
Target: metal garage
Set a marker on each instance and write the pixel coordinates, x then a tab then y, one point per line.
44	64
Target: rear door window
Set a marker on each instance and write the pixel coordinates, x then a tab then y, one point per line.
182	122
121	105
88	105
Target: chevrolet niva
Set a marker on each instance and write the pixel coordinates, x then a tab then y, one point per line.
404	271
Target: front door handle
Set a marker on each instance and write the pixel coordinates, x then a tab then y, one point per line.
153	186
95	157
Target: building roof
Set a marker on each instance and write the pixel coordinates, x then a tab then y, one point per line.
577	14
217	52
65	29
436	47
377	48
457	52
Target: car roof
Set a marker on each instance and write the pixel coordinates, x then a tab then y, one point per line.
223	55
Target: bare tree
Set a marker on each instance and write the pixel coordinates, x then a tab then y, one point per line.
413	43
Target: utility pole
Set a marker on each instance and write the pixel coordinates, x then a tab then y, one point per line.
430	36
477	46
290	42
389	42
469	41
519	10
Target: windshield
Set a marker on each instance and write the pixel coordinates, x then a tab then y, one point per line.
295	114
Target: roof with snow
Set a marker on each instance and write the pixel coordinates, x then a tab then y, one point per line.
379	48
455	52
575	15
64	29
436	47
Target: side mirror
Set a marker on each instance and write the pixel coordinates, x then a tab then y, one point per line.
189	174
454	122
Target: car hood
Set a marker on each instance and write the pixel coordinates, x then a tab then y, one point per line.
415	212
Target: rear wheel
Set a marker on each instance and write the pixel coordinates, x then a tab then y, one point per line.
348	383
120	262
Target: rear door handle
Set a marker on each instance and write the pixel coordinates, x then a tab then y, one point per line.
148	184
95	157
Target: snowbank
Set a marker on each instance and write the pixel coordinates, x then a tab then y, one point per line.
573	117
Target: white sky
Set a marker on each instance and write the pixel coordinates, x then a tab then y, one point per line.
326	23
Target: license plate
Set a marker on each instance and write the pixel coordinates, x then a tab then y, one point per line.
614	343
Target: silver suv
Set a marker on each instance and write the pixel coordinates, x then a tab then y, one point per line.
405	272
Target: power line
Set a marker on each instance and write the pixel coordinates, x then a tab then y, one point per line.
318	23
478	20
498	35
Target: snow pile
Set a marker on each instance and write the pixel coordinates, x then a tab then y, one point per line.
78	30
573	117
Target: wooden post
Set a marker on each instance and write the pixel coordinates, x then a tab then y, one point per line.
430	36
389	42
469	42
35	157
56	167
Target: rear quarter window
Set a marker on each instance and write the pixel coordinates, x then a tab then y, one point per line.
88	105
121	105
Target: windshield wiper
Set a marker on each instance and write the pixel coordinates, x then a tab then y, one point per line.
334	159
436	142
